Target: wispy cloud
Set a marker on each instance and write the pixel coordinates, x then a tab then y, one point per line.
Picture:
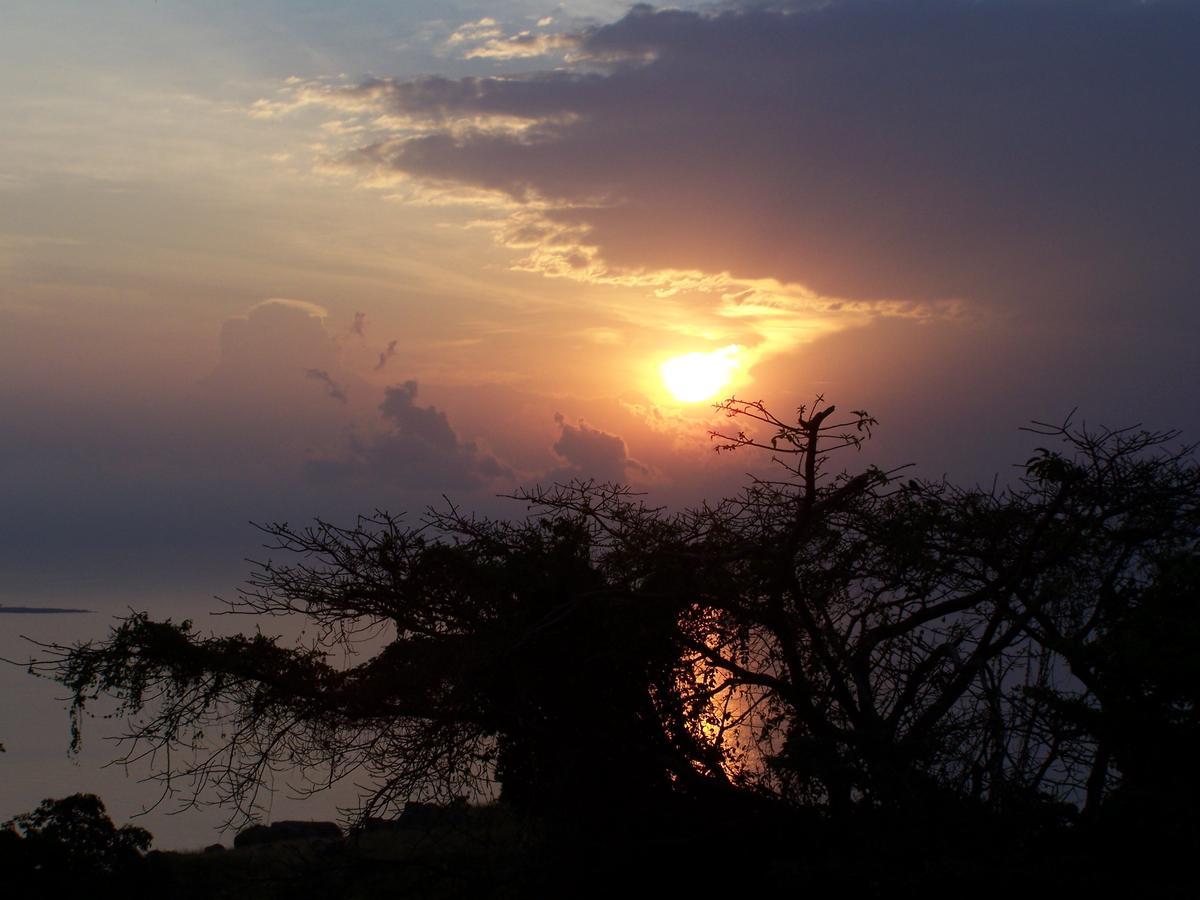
522	45
488	39
385	354
334	389
472	32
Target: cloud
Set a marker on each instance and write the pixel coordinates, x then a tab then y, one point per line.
270	358
480	30
414	446
313	310
334	389
273	337
486	39
267	404
592	453
522	45
263	391
1011	153
424	423
386	354
359	324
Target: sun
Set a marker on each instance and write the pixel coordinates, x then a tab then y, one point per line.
694	377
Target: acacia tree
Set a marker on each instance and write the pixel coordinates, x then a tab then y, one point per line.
991	645
526	652
874	623
842	641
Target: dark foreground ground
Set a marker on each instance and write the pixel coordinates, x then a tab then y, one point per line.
487	853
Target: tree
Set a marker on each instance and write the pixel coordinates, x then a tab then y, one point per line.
914	633
855	644
1126	620
63	842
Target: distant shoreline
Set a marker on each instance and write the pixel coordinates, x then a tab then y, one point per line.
41	609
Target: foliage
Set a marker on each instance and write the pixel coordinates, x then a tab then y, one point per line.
835	642
69	838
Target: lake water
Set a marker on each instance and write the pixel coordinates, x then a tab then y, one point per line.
35	731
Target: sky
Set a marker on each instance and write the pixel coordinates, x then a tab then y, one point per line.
264	261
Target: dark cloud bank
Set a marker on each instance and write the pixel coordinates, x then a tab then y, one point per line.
1009	152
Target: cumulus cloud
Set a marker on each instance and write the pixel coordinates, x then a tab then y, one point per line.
276	341
413	446
424	423
271	356
264	390
282	391
591	453
919	150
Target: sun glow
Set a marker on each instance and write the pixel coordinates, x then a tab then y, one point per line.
700	376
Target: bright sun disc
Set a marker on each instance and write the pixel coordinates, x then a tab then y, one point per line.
699	376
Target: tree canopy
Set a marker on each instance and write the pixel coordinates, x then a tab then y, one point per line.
822	641
66	843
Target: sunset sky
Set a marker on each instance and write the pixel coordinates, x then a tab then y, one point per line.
272	259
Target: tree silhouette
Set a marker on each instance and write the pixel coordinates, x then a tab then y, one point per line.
67	843
859	645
